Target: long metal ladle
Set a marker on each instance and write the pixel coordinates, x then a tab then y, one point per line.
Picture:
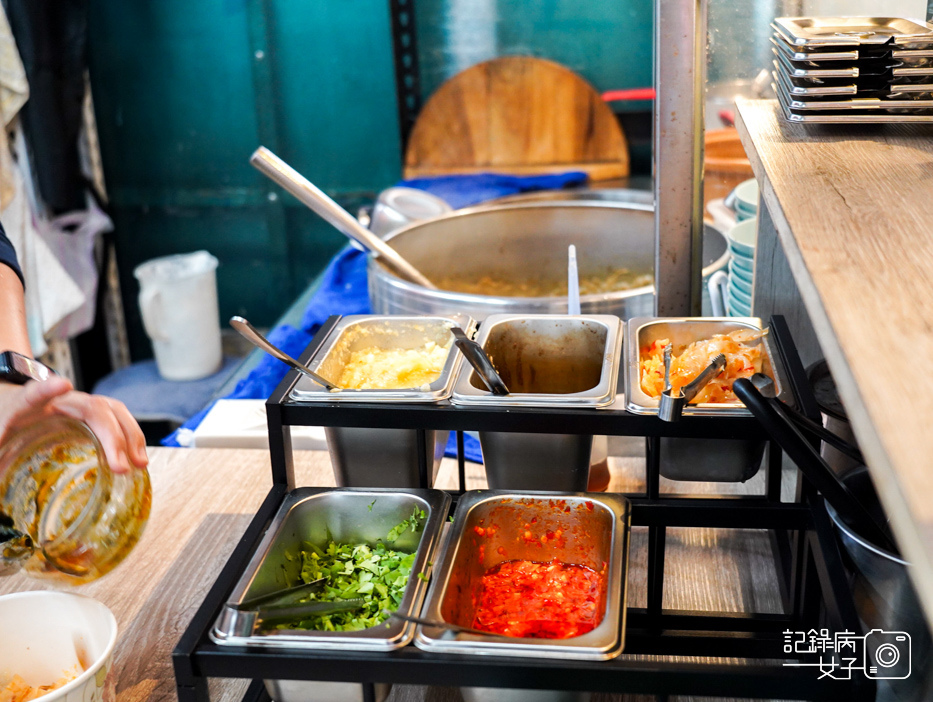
309	194
258	340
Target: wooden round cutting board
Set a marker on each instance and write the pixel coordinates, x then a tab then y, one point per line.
517	115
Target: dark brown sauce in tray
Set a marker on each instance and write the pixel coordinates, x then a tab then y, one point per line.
534	363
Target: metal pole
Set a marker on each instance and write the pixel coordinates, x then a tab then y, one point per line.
680	83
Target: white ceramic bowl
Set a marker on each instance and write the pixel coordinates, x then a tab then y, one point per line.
45	635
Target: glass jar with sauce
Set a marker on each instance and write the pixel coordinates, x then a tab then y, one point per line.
64	515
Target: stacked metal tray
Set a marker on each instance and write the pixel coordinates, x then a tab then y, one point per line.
853	69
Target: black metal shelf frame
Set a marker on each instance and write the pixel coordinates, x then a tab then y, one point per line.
748	646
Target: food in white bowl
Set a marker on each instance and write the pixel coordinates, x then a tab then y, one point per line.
54	640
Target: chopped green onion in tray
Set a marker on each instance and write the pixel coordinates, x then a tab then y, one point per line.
376	574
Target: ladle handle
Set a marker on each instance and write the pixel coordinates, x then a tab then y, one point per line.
257	339
779	426
309	194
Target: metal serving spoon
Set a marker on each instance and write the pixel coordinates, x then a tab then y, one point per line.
477	357
282	597
309	194
673	401
258	340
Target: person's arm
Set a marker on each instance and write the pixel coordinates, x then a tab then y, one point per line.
20	405
13	334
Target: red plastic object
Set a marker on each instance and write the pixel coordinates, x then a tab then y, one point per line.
628	94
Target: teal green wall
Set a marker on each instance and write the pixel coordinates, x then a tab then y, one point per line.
608	42
182	99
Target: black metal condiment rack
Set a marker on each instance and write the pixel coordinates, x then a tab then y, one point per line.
813	583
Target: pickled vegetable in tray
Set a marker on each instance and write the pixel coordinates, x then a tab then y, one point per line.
743	359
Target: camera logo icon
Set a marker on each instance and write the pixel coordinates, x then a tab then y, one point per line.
887	655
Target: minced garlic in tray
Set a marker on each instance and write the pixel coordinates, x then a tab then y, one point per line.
376	368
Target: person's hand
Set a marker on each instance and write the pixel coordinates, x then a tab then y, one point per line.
120	436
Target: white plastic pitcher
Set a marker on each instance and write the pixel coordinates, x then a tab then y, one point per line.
178	302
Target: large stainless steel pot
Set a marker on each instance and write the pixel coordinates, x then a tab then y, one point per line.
517	237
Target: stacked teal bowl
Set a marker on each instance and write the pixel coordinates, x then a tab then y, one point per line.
742	238
745	200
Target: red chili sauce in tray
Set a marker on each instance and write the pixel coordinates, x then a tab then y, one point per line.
539	600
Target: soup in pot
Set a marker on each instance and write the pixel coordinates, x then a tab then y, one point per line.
610	280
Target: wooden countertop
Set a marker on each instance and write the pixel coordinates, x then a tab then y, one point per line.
851	206
203	500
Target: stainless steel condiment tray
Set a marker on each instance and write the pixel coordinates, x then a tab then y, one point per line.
815	32
783	89
815	89
912	71
850	117
348	516
911	88
682	331
809	72
912	54
814	43
388	332
795	54
524	346
492	527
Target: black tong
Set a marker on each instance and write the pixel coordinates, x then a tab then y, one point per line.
784	425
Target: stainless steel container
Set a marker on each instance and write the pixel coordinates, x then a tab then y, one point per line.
546	361
885	600
714	460
585	529
830	32
358	332
317	515
508	240
371	457
526	461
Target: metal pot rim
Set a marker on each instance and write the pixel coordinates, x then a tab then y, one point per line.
460	298
867	545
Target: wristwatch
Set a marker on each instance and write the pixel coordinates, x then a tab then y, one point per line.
20	369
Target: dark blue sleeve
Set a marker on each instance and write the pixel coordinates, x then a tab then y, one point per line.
8	254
